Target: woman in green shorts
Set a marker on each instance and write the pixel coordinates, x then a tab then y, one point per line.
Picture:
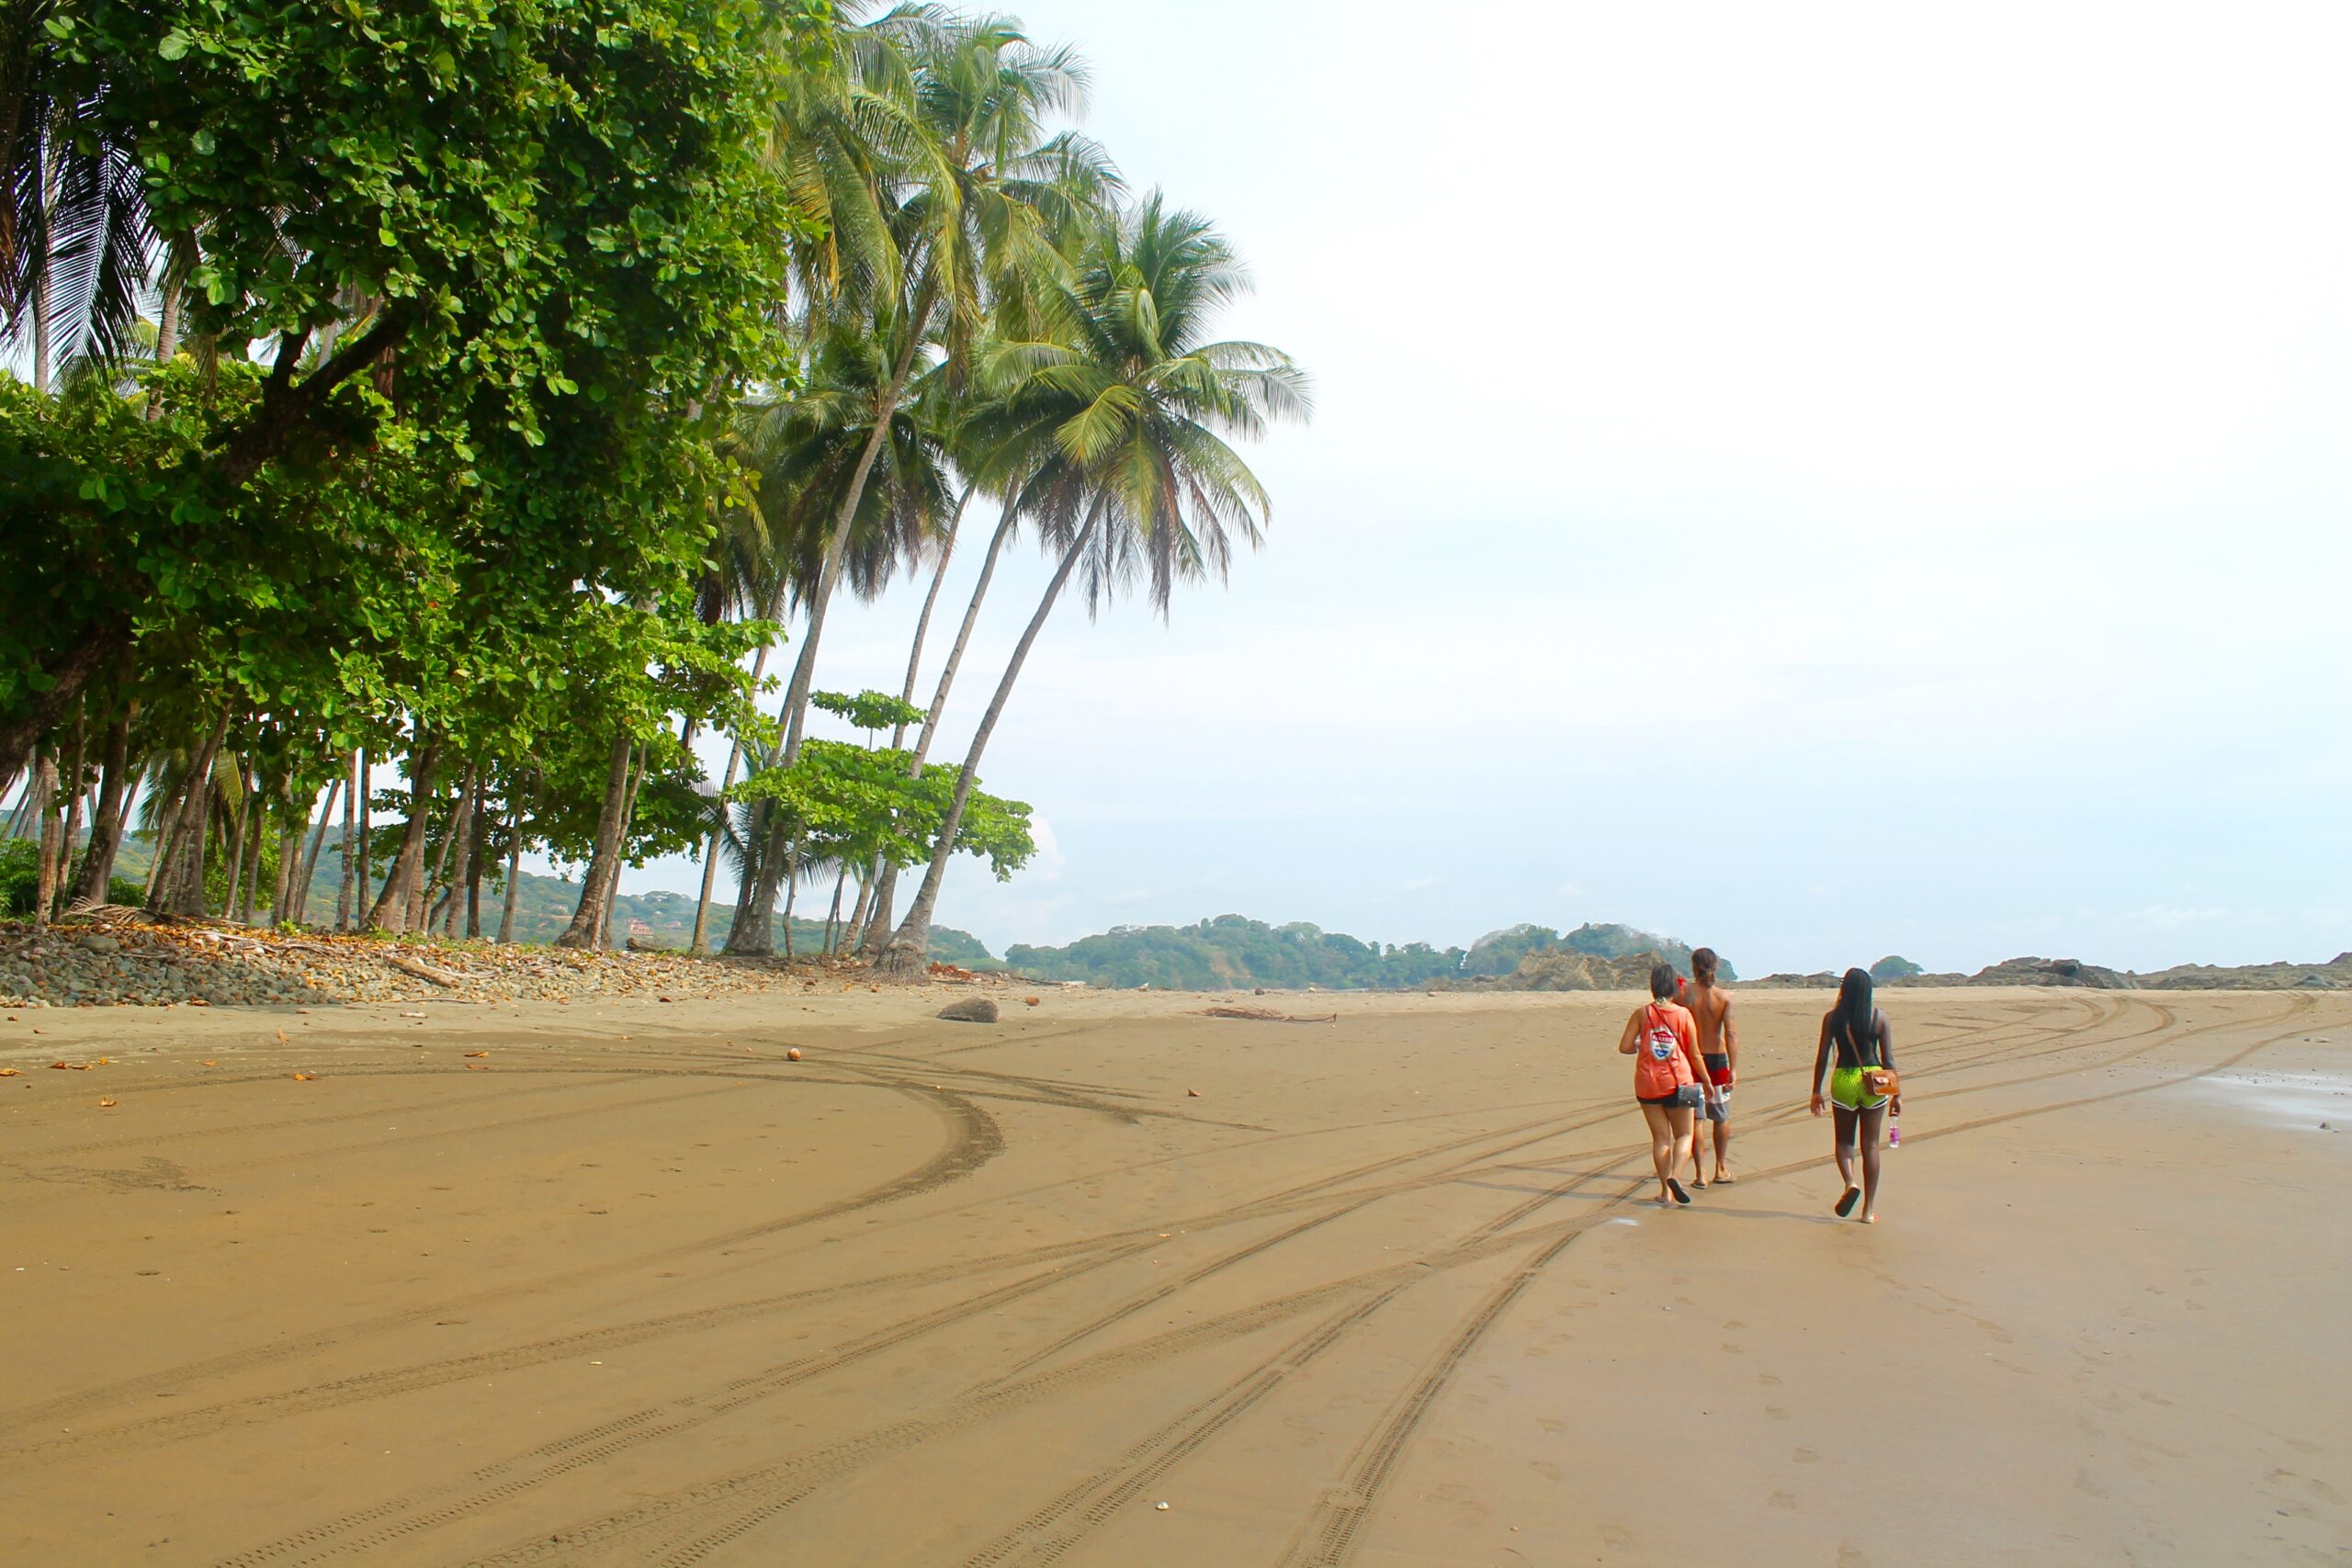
1858	1032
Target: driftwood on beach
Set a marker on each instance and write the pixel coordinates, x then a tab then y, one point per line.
1264	1015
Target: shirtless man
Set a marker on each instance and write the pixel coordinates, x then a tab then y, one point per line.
1710	1006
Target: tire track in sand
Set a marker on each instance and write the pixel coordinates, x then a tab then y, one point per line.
973	1139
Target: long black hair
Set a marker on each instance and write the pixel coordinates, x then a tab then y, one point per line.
1856	1018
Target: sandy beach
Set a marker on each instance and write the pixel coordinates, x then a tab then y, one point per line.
619	1283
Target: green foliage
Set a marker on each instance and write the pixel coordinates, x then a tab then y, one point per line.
869	711
1231	953
20	879
548	230
19	876
1894	967
847	803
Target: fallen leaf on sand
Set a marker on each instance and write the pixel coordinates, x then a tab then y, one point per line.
477	1052
8	1072
106	1061
1193	1094
1031	1001
61	1066
106	1104
303	1078
477	1066
211	1063
281	1037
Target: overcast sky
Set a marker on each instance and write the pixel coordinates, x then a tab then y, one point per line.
1823	481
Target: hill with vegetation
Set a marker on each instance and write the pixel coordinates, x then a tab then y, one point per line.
1232	952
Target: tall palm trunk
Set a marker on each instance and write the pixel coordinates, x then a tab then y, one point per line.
475	854
105	821
421	906
44	803
241	813
301	900
644	765
587	927
461	838
909	951
804	669
700	943
179	890
354	843
755	900
59	872
878	929
514	871
390	911
869	927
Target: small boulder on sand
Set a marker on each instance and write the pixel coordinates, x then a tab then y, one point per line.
969	1010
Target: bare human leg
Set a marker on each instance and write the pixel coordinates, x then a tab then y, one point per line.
1661	1148
1843	1123
1679	1118
1874	1152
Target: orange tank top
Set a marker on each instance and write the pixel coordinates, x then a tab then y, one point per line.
1660	1064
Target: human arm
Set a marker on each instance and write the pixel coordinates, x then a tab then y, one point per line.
1886	1059
1731	1044
1626	1042
1820	1063
1687	1033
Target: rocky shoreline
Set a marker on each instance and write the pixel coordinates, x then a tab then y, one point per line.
137	963
2333	976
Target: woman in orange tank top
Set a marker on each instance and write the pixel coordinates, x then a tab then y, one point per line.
1669	1081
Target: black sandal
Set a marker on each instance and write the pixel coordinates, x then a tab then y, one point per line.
1675	1187
1846	1204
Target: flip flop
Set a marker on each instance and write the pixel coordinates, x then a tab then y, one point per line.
1675	1187
1725	1180
1697	1185
1846	1204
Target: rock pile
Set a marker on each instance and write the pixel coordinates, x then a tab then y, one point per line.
140	964
1557	969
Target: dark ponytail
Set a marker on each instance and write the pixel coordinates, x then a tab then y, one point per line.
1856	1017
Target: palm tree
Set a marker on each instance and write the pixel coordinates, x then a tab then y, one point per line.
75	240
973	191
1111	437
809	453
935	145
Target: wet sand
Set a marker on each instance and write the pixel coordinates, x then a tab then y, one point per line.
631	1288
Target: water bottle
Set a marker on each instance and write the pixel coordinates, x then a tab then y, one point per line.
1893	1135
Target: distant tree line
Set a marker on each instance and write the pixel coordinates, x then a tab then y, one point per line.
1232	952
